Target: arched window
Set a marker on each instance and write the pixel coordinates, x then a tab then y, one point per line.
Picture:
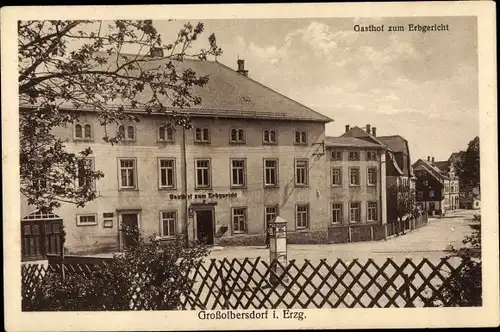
166	133
130	132
87	131
266	136
197	135
272	136
300	137
241	135
206	135
234	135
202	135
121	132
78	131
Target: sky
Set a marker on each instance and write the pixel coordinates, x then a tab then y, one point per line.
422	86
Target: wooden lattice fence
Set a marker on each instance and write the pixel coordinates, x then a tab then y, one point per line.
248	283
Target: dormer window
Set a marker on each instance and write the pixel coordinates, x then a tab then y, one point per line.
202	135
237	136
83	131
300	137
126	132
269	136
166	133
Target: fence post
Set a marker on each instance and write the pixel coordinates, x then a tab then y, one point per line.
223	283
409	302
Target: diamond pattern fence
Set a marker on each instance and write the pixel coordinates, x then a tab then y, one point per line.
255	283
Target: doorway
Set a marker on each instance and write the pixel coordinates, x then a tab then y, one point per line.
130	223
205	226
40	236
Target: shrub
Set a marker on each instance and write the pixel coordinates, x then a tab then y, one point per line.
464	289
150	275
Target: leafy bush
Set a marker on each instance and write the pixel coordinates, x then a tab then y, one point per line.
150	275
464	289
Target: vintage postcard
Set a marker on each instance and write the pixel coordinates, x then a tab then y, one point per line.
270	166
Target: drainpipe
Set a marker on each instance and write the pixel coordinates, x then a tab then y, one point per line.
383	191
184	186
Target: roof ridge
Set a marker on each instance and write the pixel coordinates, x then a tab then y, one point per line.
268	88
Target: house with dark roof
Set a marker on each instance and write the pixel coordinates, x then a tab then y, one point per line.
356	163
432	186
253	154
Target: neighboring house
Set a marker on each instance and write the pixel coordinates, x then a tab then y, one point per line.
399	171
430	187
452	184
357	186
253	154
470	197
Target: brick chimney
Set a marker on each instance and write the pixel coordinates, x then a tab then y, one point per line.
428	158
347	127
368	129
241	68
374	131
156	52
433	160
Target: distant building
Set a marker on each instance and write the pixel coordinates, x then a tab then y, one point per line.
430	186
452	184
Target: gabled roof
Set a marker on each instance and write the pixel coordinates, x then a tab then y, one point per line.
443	166
229	94
396	143
395	163
350	142
455	156
428	171
360	133
431	169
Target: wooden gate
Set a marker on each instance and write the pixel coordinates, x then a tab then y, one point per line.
40	235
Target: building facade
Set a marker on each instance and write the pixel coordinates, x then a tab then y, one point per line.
399	172
357	186
430	187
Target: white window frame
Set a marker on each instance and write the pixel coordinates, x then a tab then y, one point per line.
304	168
297	206
368	183
134	168
244	219
267	214
240	136
338	206
243	172
334	154
269	141
351	220
276	173
126	136
355	157
174	173
80	223
375	212
162	219
350	177
165	129
92	164
371	155
209	173
302	135
204	131
431	193
339	169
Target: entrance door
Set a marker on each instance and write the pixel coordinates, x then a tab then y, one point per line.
205	227
130	221
40	235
